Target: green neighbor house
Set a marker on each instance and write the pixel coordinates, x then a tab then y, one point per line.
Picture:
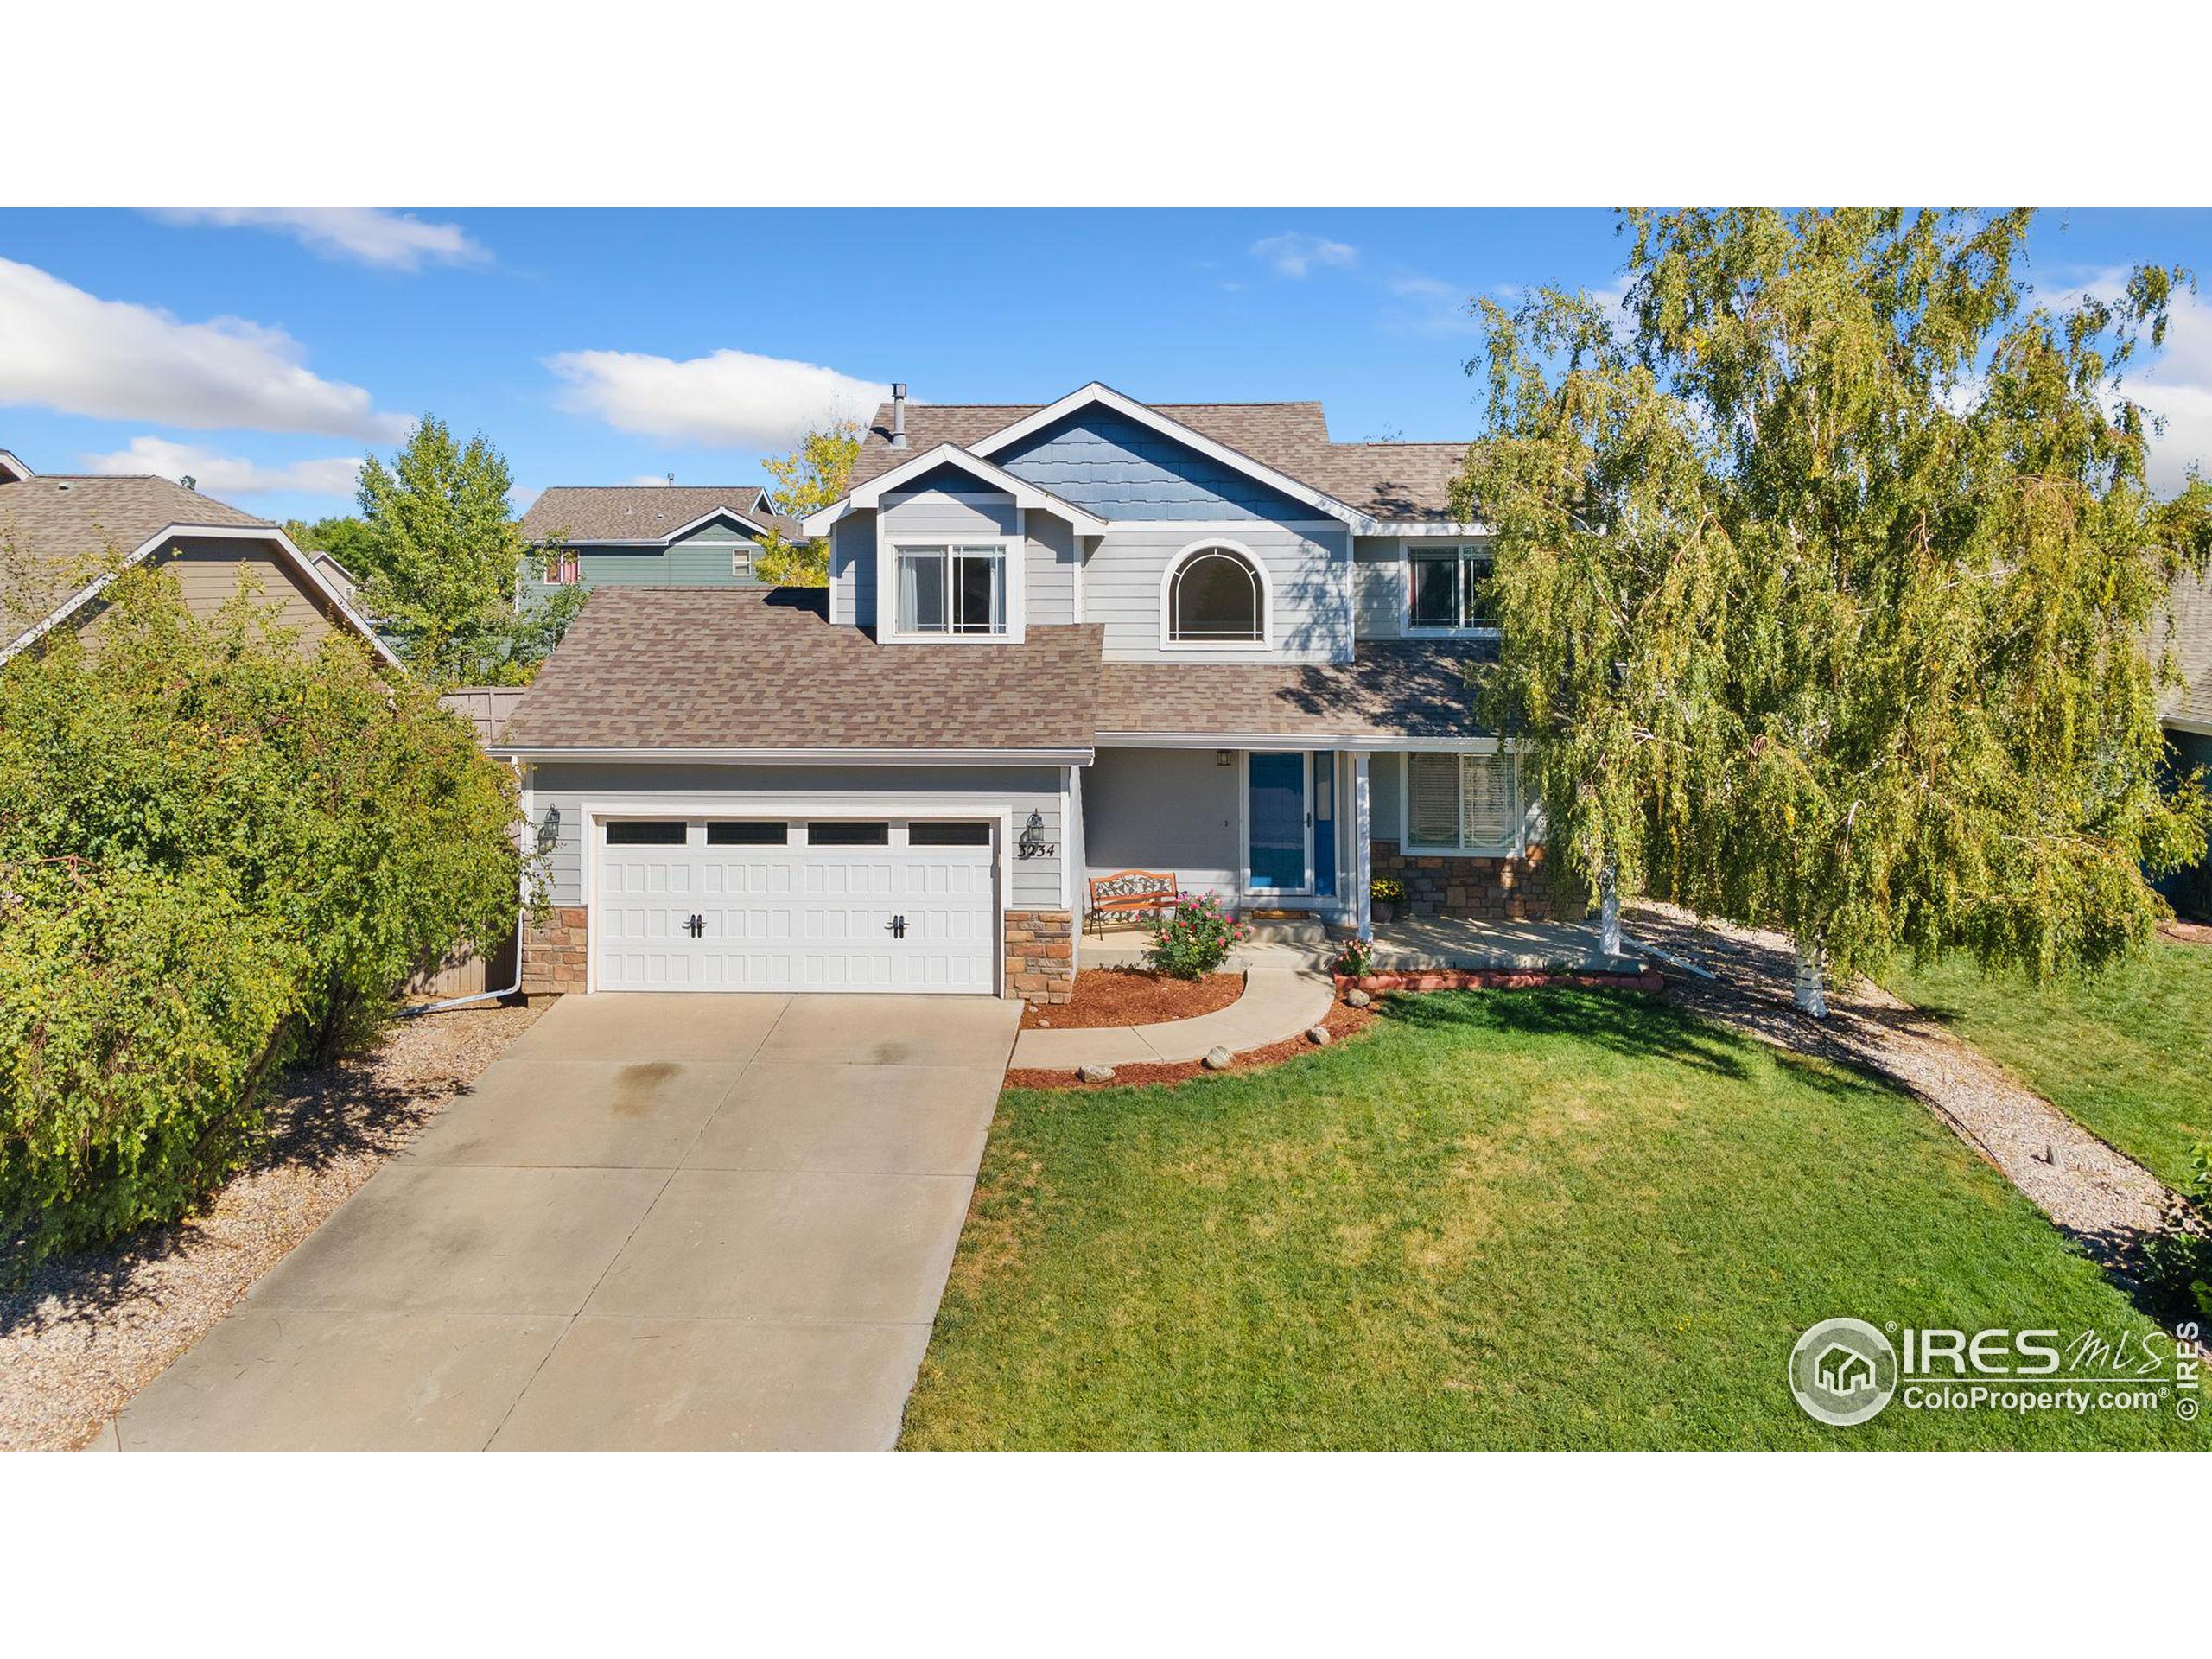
647	535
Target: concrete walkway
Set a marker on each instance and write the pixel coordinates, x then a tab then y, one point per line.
1286	989
657	1222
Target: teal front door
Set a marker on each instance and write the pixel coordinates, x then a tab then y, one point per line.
1275	816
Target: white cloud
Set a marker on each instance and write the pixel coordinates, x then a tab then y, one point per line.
67	350
1428	306
660	479
220	476
2174	382
371	236
727	399
1295	254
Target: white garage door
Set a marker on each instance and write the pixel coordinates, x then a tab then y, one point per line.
759	905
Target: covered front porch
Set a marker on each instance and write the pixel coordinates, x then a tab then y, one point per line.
1280	832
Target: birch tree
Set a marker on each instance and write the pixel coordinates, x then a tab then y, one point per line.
1826	568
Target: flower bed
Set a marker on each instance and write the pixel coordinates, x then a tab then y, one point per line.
1130	996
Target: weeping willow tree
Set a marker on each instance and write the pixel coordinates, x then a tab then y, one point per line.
1826	569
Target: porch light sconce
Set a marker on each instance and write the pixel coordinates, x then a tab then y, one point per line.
549	832
1224	757
1032	843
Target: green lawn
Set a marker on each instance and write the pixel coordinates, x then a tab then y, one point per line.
2127	1053
1503	1219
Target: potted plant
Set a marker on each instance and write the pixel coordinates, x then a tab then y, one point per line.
1388	892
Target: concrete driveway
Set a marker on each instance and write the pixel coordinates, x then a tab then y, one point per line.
657	1222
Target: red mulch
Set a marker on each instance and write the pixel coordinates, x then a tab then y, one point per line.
1129	996
2187	932
1343	1022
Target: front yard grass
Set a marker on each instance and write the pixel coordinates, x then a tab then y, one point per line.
2128	1054
1503	1219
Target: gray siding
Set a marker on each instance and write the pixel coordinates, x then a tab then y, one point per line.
1051	568
852	569
1033	884
1310	572
922	513
1116	468
1379	588
1164	810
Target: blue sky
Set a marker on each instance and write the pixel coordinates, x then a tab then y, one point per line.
265	352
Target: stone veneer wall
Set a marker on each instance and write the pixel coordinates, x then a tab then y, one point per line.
1476	889
1040	955
553	952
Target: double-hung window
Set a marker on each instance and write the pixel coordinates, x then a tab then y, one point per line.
1462	803
952	588
1449	587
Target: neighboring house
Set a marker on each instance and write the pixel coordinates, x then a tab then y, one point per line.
60	533
1058	641
2187	715
683	536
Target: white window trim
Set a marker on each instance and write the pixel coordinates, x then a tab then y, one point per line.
1168	643
1412	630
1514	846
1012	549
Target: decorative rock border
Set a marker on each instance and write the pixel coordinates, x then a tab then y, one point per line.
1497	979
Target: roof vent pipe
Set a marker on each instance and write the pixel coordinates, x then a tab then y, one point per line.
898	415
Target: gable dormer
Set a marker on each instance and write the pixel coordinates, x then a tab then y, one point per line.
943	549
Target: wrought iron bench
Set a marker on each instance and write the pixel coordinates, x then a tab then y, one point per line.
1131	893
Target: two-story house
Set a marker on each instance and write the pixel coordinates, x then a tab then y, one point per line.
658	535
64	537
1058	641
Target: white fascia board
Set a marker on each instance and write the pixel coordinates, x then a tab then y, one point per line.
300	562
1365	741
1426	529
806	757
1098	392
1025	494
2189	723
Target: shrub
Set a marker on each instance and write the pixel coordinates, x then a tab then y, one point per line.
340	801
1196	940
298	832
141	1014
2178	1259
1357	960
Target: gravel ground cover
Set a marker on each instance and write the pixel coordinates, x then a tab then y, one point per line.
2092	1192
88	1331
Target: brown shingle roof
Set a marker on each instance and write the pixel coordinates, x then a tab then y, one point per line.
1392	689
2191	616
1388	480
634	512
56	528
726	668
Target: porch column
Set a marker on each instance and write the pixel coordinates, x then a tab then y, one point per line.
1363	895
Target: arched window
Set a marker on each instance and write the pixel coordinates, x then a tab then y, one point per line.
1217	596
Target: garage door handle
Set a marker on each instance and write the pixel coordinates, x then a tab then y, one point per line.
696	926
897	927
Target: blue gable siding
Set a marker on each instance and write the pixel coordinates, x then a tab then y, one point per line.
1109	465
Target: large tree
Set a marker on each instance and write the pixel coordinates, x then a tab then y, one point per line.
816	471
447	554
1826	573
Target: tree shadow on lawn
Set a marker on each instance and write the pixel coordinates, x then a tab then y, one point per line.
313	1119
1626	1023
